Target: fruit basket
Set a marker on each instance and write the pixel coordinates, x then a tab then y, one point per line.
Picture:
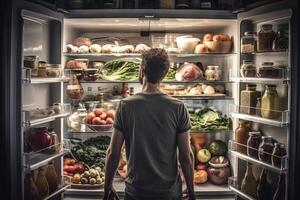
106	127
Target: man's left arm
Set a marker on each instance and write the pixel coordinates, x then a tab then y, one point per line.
113	155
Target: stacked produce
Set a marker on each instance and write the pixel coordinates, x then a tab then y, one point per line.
211	162
171	74
100	119
193	90
208	119
121	70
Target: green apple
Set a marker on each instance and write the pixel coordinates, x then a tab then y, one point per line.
203	155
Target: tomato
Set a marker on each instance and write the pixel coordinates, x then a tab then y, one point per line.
103	116
69	168
69	161
98	112
96	121
111	114
109	120
208	37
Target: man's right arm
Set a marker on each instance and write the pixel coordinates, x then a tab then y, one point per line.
186	159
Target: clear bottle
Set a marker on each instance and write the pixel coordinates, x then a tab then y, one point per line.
278	152
264	188
265	149
248	69
280	191
249	184
248	99
270	103
265	38
248	42
281	42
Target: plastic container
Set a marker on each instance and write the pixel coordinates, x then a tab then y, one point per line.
186	44
81	63
31	61
90	74
248	69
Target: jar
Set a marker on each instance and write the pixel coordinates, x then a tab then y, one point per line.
182	4
267	70
278	152
74	89
218	73
131	91
90	75
57	108
54	146
265	149
248	99
281	42
125	89
248	42
42	64
81	63
78	73
167	4
53	70
42	72
258	107
265	38
89	95
210	73
248	69
270	103
31	61
253	143
241	136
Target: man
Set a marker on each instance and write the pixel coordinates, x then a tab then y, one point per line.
153	126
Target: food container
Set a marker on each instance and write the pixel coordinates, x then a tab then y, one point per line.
42	72
42	64
78	73
248	69
187	44
57	108
90	74
31	61
248	42
34	72
268	70
53	70
218	173
74	89
81	63
106	127
265	38
218	46
97	65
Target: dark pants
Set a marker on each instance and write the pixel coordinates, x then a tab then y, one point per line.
128	197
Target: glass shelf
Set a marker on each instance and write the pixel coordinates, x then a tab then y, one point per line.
36	122
282	161
202	97
280	76
234	186
63	186
281	121
28	79
268	53
164	81
118	55
34	160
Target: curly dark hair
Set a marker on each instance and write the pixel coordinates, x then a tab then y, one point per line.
155	63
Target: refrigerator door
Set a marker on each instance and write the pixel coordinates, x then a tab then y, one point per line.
278	16
41	87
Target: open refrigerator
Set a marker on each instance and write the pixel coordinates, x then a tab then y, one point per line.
47	106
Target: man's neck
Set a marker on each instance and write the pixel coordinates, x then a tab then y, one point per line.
150	87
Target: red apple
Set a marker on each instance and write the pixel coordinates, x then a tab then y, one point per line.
98	112
103	116
109	120
102	122
96	121
111	114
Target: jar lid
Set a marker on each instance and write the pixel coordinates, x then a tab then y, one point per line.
267	26
266	137
256	133
282	145
250	33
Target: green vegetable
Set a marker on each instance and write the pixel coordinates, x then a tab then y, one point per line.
171	74
208	119
121	70
218	148
92	151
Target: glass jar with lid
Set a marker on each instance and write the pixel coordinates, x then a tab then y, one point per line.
270	103
278	152
268	70
265	149
281	42
265	38
248	69
248	42
253	143
248	99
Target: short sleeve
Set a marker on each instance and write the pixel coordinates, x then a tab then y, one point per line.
184	123
118	122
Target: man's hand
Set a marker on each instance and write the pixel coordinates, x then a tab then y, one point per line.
111	194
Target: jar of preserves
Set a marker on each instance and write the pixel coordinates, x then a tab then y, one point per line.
248	42
241	136
265	38
258	107
74	89
268	70
248	99
167	4
278	152
265	149
253	143
90	74
270	103
248	69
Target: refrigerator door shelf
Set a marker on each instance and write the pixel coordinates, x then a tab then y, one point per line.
28	79
235	188
34	160
64	184
281	121
29	123
282	161
282	77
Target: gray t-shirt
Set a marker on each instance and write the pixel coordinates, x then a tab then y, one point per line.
150	124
